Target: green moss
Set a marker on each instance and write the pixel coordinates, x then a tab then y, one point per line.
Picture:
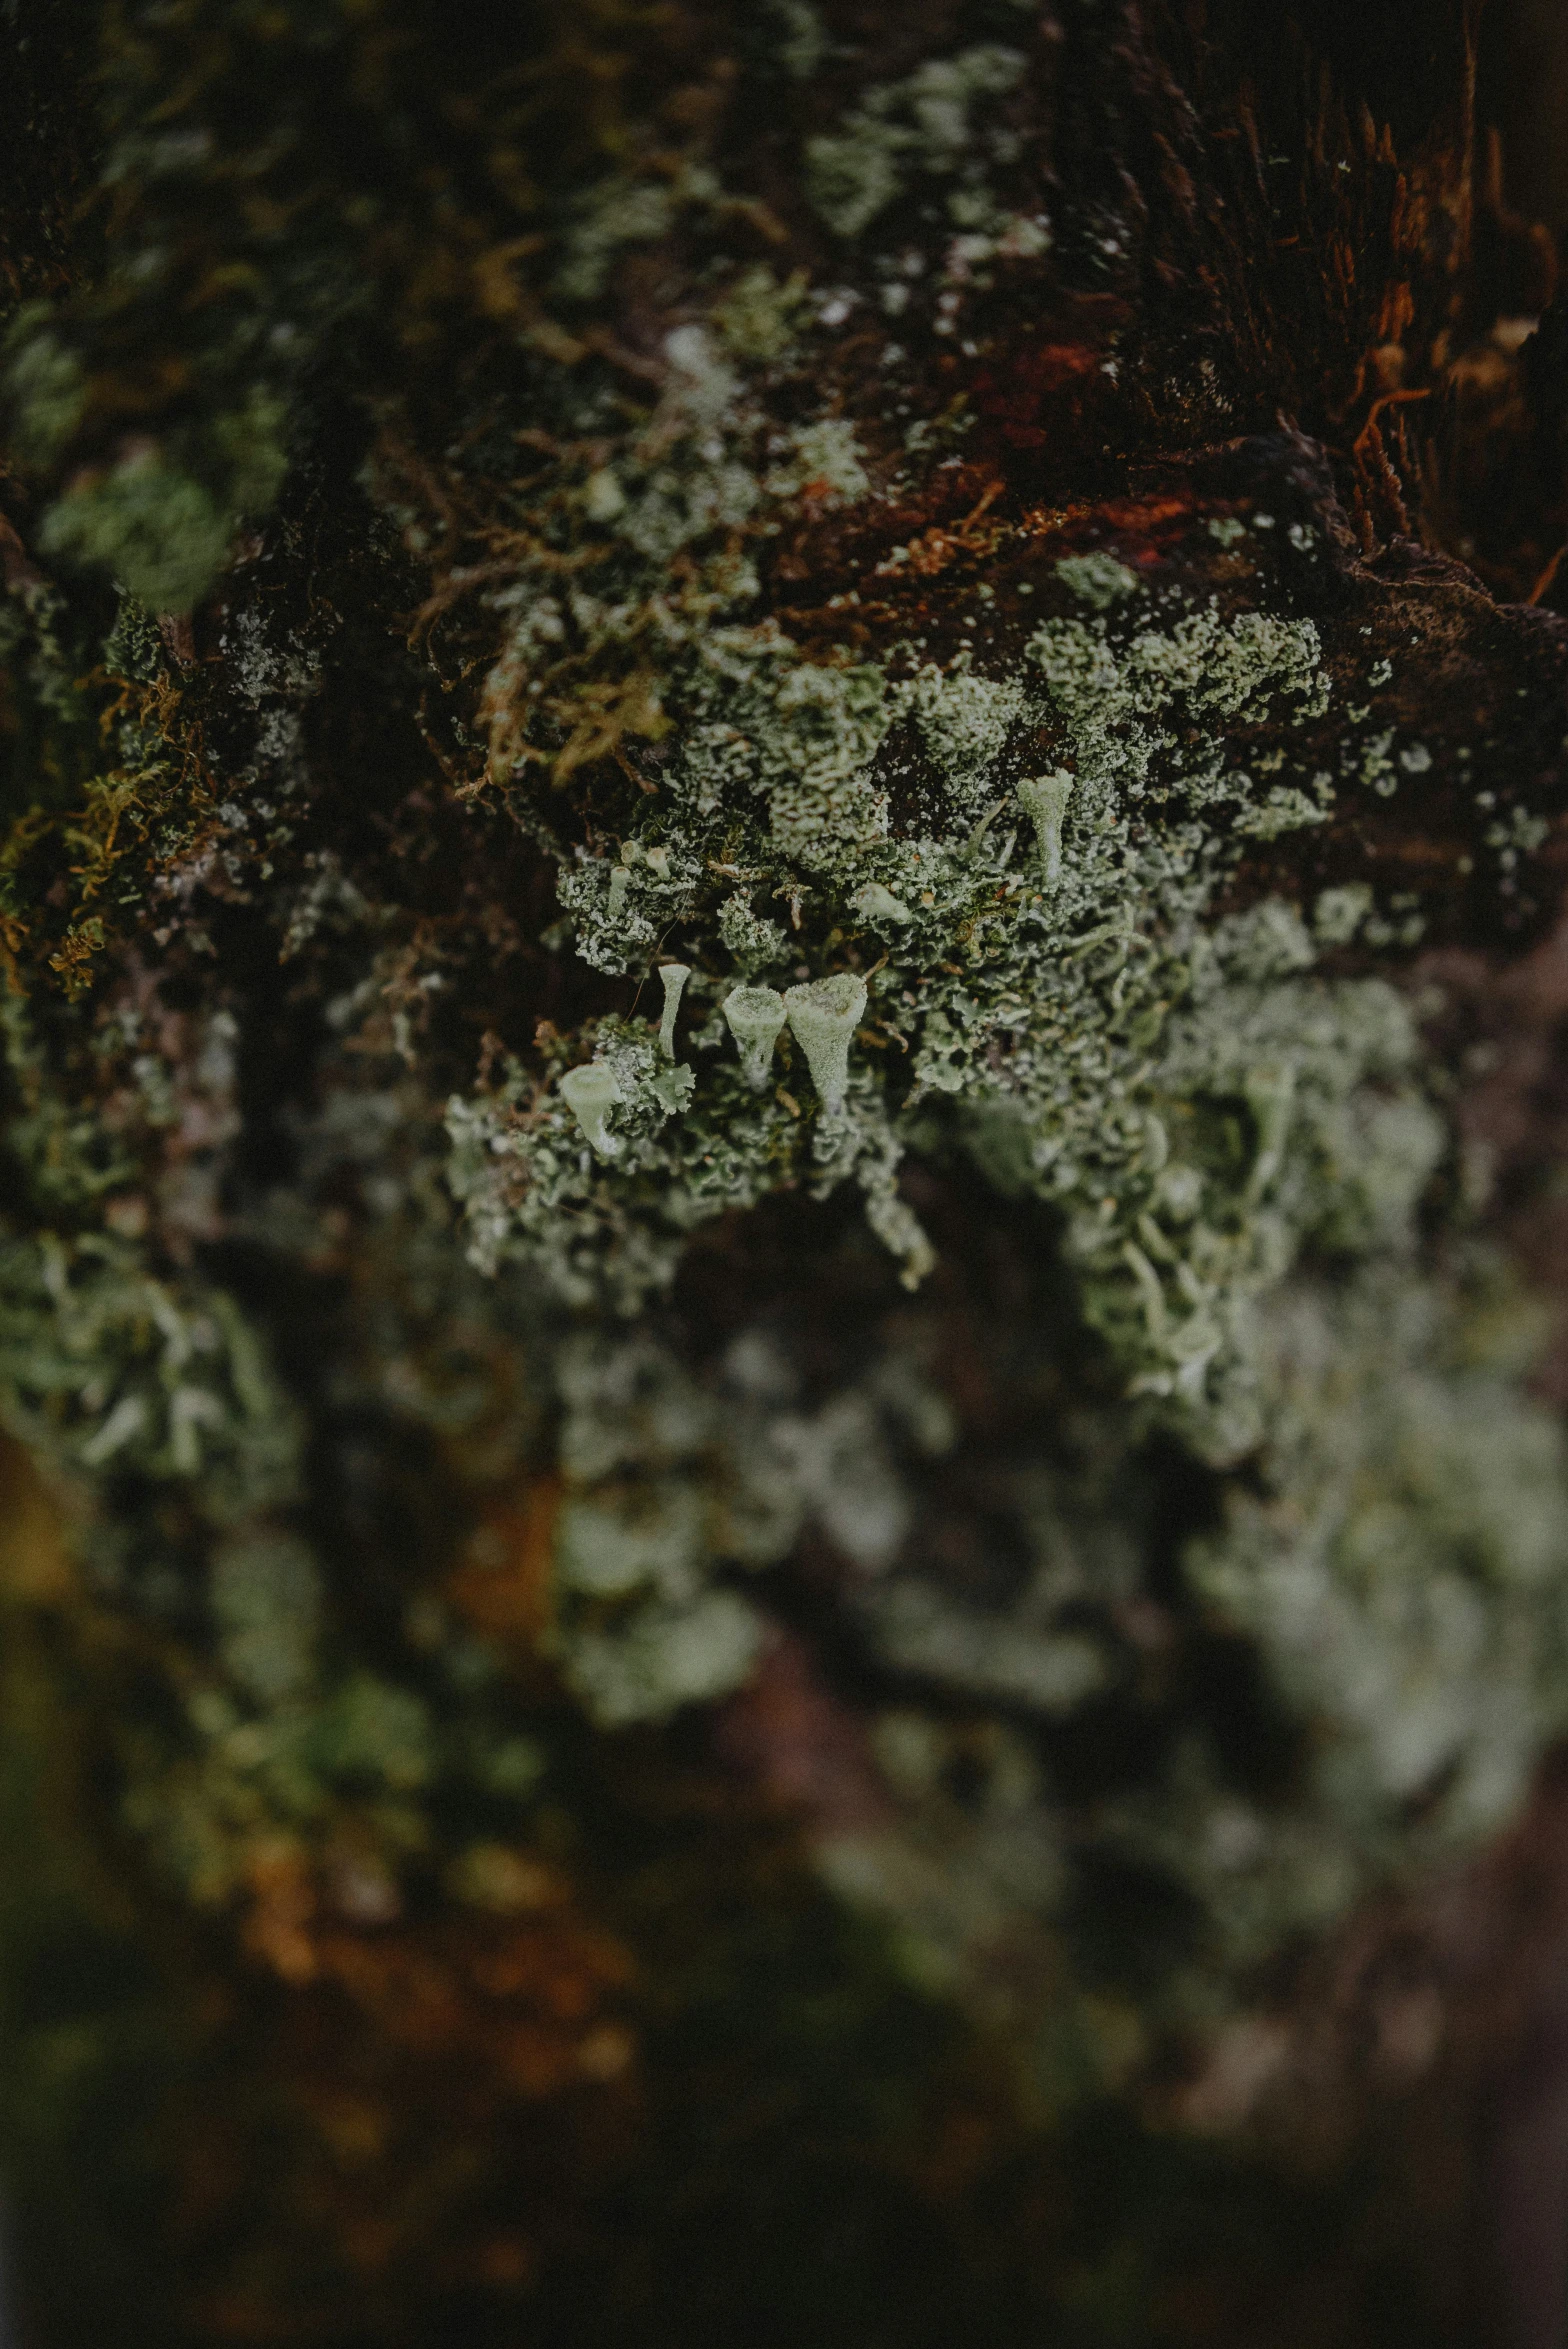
162	534
157	532
45	384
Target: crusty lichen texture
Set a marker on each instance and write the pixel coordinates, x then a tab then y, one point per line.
713	911
953	871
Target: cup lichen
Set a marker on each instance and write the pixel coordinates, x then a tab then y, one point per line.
1044	799
755	1017
823	1016
593	1094
763	643
672	978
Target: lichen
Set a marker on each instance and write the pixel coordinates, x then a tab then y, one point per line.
781	775
999	852
919	125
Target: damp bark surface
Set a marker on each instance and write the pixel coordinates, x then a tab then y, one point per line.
782	1269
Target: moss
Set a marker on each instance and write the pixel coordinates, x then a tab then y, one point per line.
163	535
45	383
157	532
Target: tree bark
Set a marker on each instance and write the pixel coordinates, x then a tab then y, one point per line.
781	1295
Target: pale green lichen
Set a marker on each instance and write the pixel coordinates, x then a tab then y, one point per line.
1044	799
1411	1502
755	1017
987	882
613	214
920	125
1097	579
758	318
162	530
1204	1111
754	943
1393	1555
112	1370
591	1093
625	1095
663	1658
672	978
823	1016
1089	1023
823	458
160	534
802	39
45	383
677	1487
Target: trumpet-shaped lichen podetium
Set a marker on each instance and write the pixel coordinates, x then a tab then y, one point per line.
672	977
823	1016
591	1093
1044	799
756	1021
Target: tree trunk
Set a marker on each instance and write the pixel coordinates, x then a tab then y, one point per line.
781	1295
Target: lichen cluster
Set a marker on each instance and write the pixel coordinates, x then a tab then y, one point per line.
619	768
